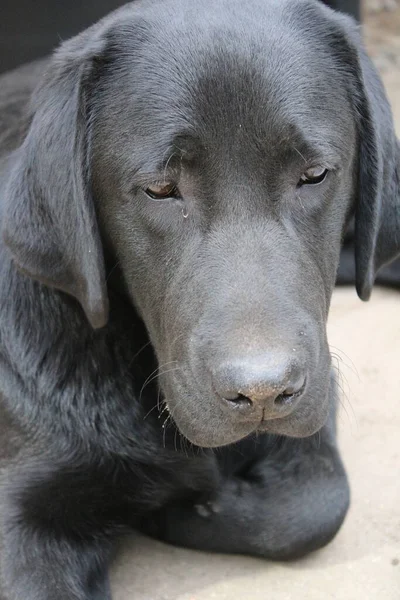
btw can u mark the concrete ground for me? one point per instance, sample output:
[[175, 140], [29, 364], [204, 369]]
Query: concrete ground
[[363, 562]]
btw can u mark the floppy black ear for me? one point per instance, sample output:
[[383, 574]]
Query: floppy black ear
[[377, 209], [377, 230], [50, 223]]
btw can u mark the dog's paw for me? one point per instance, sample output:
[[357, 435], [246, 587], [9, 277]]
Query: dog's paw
[[225, 496], [207, 509]]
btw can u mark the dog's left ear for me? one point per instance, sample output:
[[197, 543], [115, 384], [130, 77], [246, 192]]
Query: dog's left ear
[[377, 197], [49, 222]]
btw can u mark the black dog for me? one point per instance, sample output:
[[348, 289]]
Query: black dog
[[173, 209]]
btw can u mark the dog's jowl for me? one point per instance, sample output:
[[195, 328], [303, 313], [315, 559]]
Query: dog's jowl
[[175, 184]]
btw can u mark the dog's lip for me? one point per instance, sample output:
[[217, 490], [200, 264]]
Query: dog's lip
[[265, 424], [257, 424]]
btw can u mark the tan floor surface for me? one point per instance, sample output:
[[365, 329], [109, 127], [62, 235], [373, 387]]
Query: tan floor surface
[[363, 562]]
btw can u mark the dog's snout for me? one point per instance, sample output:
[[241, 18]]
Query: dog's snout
[[266, 385]]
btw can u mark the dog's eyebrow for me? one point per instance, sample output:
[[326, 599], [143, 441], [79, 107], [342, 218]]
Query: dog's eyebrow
[[319, 151], [317, 143], [168, 156]]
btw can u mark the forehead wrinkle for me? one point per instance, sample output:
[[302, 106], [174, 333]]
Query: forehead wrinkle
[[241, 102]]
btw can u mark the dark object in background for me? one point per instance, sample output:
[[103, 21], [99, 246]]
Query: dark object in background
[[352, 7], [27, 33]]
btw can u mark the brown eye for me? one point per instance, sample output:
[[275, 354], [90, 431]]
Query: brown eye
[[313, 175], [162, 192]]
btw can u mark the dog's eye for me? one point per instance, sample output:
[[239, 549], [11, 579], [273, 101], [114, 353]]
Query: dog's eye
[[313, 175], [162, 191]]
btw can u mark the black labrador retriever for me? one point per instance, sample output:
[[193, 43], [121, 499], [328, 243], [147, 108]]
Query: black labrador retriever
[[173, 208]]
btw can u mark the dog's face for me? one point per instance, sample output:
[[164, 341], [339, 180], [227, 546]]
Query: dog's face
[[223, 176], [224, 158]]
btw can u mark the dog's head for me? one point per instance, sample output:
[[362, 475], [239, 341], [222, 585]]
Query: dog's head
[[216, 150]]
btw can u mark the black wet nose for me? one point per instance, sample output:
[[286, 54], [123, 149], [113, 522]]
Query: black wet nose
[[271, 384]]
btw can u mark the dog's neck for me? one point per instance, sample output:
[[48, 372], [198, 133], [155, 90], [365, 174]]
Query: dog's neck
[[47, 344]]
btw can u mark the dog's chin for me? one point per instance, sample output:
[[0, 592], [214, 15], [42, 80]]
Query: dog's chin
[[214, 437], [293, 426], [209, 433]]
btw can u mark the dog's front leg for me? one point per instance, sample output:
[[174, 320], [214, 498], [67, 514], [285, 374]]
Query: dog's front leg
[[287, 504], [55, 543], [60, 517], [38, 565]]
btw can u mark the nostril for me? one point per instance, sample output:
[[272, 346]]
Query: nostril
[[283, 399], [238, 401], [291, 393], [230, 395], [262, 384]]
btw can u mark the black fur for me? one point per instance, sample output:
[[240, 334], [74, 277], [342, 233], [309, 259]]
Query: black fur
[[118, 314]]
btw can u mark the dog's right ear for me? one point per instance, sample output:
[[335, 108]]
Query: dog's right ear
[[50, 223]]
